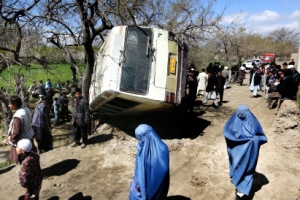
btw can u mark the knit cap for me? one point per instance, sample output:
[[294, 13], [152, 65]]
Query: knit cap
[[25, 145]]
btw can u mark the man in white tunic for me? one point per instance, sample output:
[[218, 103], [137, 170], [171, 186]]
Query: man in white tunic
[[202, 81], [225, 74], [256, 79]]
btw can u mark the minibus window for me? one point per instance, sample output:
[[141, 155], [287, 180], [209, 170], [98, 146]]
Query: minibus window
[[137, 64]]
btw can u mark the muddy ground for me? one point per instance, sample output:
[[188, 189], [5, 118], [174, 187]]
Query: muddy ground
[[198, 156]]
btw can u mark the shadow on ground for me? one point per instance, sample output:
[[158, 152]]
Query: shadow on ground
[[60, 168], [79, 196], [2, 171], [54, 198], [178, 197], [259, 180], [100, 138], [167, 124], [225, 102]]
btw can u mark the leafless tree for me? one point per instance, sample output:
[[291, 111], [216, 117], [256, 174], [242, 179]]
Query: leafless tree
[[7, 113], [83, 22], [14, 15], [285, 35], [233, 44]]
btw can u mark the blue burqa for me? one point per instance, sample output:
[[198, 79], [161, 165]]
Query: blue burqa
[[151, 176], [244, 135]]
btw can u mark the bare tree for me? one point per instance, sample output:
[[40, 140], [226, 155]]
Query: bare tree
[[83, 22], [14, 15], [285, 35], [6, 110], [234, 43]]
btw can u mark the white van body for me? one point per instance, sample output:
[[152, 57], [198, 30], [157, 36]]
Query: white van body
[[138, 69]]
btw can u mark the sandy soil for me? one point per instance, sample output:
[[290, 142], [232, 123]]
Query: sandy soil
[[198, 157]]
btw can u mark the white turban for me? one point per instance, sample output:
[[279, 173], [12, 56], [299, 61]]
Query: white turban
[[225, 67], [290, 66], [25, 145]]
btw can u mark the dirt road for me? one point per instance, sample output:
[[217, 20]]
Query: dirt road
[[198, 158]]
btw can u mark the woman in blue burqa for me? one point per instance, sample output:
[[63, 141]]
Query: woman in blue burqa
[[151, 176], [244, 135]]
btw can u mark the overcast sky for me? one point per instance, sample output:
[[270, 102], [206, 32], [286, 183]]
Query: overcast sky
[[263, 16]]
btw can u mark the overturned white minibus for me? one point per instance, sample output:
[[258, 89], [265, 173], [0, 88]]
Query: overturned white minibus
[[138, 69]]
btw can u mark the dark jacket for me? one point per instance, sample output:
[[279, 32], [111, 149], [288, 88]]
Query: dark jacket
[[272, 92], [257, 78], [288, 87], [64, 102], [49, 97], [251, 74], [211, 82], [220, 83], [192, 85], [41, 116], [296, 76], [234, 69], [41, 89], [81, 113]]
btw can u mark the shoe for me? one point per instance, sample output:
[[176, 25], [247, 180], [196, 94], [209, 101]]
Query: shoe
[[83, 145], [74, 145], [215, 105]]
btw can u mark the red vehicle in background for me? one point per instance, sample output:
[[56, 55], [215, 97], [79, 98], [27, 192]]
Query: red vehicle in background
[[268, 58]]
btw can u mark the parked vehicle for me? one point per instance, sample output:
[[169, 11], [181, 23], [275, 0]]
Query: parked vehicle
[[257, 61], [138, 69], [268, 58], [248, 64]]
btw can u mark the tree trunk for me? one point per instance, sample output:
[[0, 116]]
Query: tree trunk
[[89, 66], [6, 110], [72, 61]]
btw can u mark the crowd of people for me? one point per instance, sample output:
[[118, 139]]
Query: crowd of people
[[26, 126], [151, 180], [278, 82], [47, 104], [243, 132], [209, 84]]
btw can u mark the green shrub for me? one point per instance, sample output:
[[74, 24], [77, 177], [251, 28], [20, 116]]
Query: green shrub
[[56, 72], [5, 164]]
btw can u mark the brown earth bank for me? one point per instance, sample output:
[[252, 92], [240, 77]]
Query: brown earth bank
[[198, 157]]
